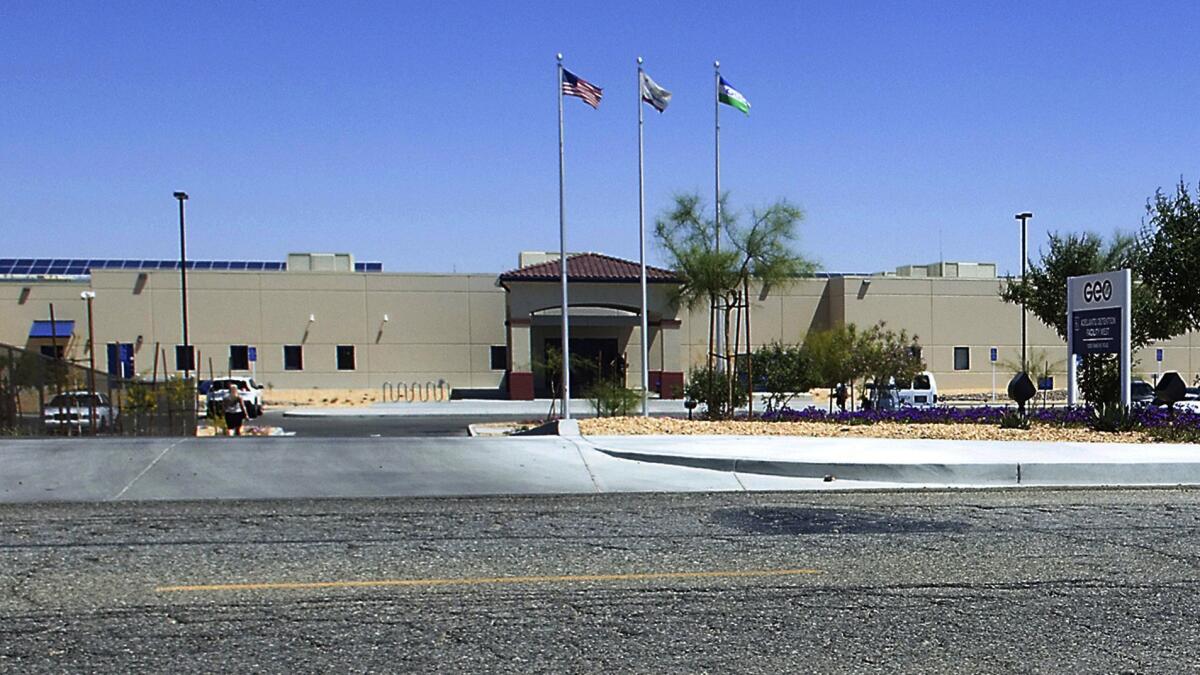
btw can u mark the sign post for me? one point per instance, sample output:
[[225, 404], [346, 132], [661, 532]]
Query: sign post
[[1158, 356], [252, 356], [992, 356], [1098, 322]]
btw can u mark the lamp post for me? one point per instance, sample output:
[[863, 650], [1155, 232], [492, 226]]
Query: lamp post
[[88, 297], [1024, 217], [187, 347]]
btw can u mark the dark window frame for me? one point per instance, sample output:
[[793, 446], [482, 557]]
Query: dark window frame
[[239, 360], [498, 354], [338, 355], [967, 352], [185, 357], [299, 353]]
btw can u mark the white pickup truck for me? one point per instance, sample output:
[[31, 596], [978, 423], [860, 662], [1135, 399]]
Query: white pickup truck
[[250, 391]]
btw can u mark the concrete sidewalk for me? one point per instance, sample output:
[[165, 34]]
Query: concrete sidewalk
[[106, 469], [535, 409], [920, 461]]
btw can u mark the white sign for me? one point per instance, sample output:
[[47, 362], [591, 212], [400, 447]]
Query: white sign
[[1098, 322], [1098, 291]]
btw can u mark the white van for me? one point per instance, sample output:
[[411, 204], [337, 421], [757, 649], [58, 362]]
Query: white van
[[922, 393]]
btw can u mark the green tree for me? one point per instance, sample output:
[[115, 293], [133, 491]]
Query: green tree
[[888, 355], [831, 356], [1169, 255], [1044, 292], [689, 239], [782, 371], [721, 276], [768, 259]]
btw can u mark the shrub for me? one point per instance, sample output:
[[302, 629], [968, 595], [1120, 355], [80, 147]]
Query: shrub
[[1114, 418], [782, 371], [1014, 420], [712, 389], [612, 399], [140, 398]]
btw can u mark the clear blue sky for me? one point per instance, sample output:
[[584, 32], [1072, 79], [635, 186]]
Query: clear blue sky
[[424, 134]]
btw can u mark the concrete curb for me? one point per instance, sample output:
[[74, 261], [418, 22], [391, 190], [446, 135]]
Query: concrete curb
[[1000, 473]]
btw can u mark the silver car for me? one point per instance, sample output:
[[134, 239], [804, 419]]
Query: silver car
[[72, 411]]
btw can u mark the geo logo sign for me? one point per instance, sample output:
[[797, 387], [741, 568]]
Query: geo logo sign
[[1097, 291]]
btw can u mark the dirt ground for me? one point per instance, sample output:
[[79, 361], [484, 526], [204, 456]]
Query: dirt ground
[[320, 397], [332, 397], [620, 426]]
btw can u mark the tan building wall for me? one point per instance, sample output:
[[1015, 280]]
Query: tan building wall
[[439, 327], [442, 327], [23, 302]]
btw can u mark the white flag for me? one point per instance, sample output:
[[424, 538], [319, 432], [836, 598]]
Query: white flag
[[653, 94]]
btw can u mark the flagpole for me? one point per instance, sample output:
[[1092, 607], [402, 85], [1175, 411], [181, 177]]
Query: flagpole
[[642, 250], [562, 247], [720, 322]]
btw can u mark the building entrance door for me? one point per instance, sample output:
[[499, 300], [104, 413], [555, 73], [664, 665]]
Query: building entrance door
[[591, 360]]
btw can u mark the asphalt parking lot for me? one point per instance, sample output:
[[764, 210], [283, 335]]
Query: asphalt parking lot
[[931, 582]]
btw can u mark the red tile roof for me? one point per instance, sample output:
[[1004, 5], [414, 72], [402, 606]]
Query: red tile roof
[[592, 267]]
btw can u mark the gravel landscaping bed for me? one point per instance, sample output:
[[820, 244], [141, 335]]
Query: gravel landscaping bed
[[620, 426]]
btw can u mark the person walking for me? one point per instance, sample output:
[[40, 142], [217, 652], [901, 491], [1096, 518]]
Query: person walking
[[840, 396], [235, 411]]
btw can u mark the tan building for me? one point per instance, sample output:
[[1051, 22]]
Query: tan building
[[326, 321]]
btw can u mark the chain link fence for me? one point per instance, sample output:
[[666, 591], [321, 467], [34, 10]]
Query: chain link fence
[[42, 396]]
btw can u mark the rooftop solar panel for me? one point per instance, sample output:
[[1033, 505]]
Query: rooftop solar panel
[[42, 261], [254, 265], [237, 265], [57, 269], [8, 261], [220, 265], [5, 268], [24, 261], [203, 265]]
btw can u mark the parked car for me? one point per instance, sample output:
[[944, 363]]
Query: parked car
[[72, 410], [1141, 394], [249, 390], [1191, 400]]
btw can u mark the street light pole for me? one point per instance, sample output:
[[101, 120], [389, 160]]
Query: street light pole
[[1024, 217], [88, 297], [187, 347]]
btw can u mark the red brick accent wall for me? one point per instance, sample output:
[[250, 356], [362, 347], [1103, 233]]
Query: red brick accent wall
[[671, 385], [520, 386]]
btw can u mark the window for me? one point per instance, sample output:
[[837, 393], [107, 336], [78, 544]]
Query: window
[[345, 357], [499, 357], [962, 358], [52, 351], [239, 357], [293, 357], [185, 357]]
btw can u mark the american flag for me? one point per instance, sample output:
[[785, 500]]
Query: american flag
[[573, 85]]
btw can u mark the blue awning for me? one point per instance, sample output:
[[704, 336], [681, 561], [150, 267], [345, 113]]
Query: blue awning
[[44, 329]]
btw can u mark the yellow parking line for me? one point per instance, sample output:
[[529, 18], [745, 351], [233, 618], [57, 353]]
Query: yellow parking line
[[479, 581]]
